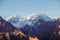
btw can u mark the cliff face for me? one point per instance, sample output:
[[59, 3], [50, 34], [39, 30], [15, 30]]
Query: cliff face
[[6, 26]]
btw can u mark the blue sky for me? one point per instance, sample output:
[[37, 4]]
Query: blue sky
[[27, 7]]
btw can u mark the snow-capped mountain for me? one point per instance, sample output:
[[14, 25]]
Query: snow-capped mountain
[[20, 21], [36, 25]]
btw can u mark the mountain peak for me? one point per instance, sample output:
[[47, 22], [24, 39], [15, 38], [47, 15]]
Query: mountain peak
[[13, 17], [20, 21]]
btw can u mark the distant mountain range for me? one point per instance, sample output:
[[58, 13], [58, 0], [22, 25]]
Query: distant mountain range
[[20, 21], [33, 25]]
